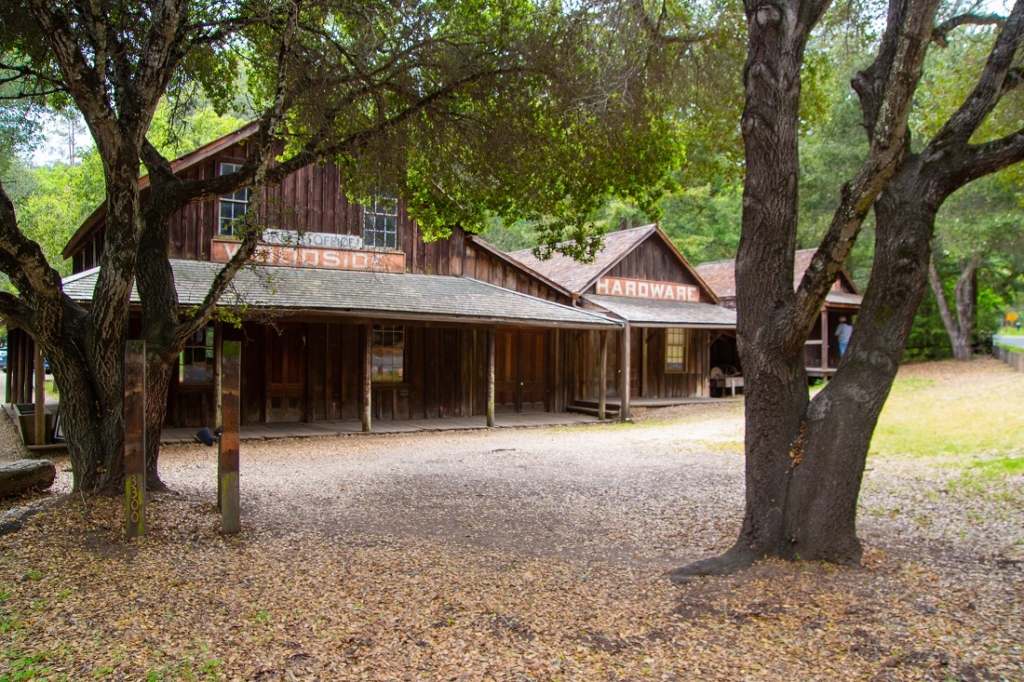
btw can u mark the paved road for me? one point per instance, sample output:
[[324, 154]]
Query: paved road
[[1017, 341]]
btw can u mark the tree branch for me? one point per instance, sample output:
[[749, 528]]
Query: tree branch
[[940, 33], [13, 309], [990, 86], [654, 29], [895, 74]]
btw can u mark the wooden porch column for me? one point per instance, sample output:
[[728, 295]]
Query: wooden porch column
[[602, 389], [643, 362], [11, 338], [824, 343], [367, 375], [25, 350], [227, 452], [40, 398], [218, 380], [135, 439], [490, 377], [624, 389], [556, 361]]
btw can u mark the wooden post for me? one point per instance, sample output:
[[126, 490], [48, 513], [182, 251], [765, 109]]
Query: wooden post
[[824, 343], [624, 390], [218, 359], [25, 368], [643, 363], [135, 439], [490, 377], [11, 349], [40, 398], [557, 390], [602, 389], [227, 459], [367, 375]]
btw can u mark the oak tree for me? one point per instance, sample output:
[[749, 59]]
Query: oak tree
[[805, 457], [461, 107]]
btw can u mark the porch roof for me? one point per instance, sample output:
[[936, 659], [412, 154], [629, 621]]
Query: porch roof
[[657, 313], [363, 294], [843, 298]]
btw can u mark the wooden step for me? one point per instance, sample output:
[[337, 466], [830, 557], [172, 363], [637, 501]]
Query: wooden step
[[584, 407]]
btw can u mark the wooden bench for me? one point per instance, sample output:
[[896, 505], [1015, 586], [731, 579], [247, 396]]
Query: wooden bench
[[724, 382]]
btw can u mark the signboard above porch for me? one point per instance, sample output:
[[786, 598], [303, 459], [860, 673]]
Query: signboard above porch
[[221, 251], [638, 288]]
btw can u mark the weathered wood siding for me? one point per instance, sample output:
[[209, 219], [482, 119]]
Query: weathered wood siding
[[648, 378], [653, 261], [311, 372]]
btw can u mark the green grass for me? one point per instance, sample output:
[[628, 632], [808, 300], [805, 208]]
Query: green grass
[[961, 424], [21, 668]]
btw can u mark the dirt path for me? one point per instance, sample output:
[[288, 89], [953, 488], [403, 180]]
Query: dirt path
[[532, 554]]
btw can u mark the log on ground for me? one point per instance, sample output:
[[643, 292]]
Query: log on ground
[[24, 475]]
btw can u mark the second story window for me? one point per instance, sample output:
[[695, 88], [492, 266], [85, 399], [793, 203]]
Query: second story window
[[380, 223], [232, 206]]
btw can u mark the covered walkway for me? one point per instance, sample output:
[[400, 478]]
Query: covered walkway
[[354, 426]]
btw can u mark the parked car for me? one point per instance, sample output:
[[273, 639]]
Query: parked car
[[3, 358]]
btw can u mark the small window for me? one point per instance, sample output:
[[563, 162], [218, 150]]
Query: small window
[[388, 357], [232, 206], [380, 223], [675, 350], [196, 366]]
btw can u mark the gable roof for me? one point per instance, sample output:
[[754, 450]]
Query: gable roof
[[721, 276], [518, 265], [180, 164], [400, 296], [578, 277]]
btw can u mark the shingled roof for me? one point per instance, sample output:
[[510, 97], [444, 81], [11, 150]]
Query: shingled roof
[[721, 277], [365, 294], [656, 313], [577, 277]]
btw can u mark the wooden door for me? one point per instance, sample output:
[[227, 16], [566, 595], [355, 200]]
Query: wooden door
[[520, 370], [286, 373], [506, 370], [533, 365]]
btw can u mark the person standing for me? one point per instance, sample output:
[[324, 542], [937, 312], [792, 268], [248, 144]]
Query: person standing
[[843, 332]]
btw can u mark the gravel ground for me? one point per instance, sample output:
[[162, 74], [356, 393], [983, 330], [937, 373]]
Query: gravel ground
[[531, 554]]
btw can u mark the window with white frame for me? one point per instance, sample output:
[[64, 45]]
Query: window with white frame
[[675, 350], [380, 223], [232, 206], [388, 356]]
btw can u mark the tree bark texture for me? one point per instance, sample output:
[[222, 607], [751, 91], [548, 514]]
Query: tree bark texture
[[965, 295]]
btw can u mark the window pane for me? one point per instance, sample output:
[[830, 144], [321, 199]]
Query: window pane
[[675, 350], [380, 223], [388, 354]]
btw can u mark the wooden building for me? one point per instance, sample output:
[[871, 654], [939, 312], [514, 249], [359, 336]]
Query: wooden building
[[352, 314], [821, 352], [668, 314]]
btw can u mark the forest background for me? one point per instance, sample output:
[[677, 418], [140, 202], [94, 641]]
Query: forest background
[[55, 179]]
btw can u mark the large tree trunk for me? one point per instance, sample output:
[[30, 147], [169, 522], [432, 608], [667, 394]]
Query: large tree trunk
[[827, 465], [86, 349], [804, 459]]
